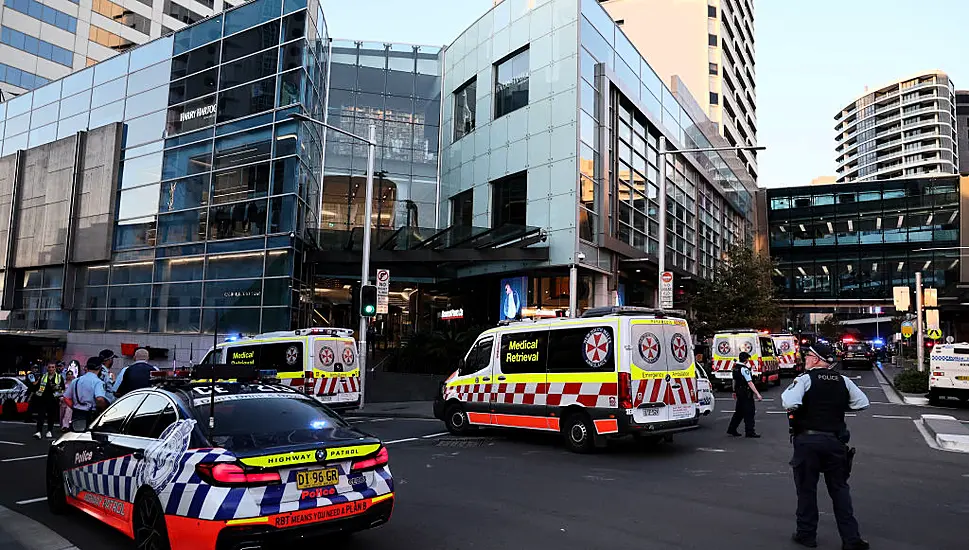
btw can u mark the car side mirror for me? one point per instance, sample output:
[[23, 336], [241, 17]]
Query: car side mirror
[[79, 425], [460, 365], [99, 437]]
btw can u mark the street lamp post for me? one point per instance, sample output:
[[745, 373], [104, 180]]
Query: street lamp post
[[368, 214], [663, 151]]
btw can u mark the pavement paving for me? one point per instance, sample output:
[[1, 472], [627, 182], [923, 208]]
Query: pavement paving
[[704, 490]]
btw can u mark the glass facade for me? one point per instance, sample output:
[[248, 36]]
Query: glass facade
[[845, 242], [219, 189]]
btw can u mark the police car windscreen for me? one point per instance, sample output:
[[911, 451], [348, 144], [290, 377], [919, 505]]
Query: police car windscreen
[[247, 421]]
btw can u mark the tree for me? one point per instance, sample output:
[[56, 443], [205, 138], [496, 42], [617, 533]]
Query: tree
[[830, 328], [740, 294]]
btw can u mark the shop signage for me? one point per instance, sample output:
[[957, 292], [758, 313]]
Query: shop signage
[[206, 111], [452, 314]]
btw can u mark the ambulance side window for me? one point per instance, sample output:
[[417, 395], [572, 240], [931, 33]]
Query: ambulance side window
[[586, 349], [524, 352], [479, 357], [281, 356], [766, 346]]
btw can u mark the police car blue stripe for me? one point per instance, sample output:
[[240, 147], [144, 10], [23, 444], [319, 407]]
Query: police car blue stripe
[[227, 509], [174, 499], [197, 501], [270, 502]]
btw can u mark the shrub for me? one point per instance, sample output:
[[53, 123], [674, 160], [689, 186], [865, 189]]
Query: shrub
[[912, 381]]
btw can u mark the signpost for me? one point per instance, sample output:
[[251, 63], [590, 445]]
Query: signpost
[[934, 333], [666, 290], [383, 290], [908, 329]]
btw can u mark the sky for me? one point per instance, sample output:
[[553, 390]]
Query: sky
[[812, 59]]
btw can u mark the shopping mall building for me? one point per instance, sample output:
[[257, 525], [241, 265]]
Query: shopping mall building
[[167, 191]]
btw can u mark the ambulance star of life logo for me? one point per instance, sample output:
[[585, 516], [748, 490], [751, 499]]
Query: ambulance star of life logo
[[348, 356], [723, 347], [326, 356], [679, 347], [785, 346], [649, 347], [292, 355], [596, 347]]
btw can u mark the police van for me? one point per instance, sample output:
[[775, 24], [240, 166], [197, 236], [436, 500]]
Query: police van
[[785, 348], [727, 346], [614, 371], [320, 361], [949, 376]]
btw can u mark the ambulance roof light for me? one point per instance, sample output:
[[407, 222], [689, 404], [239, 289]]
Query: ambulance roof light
[[325, 331], [630, 310]]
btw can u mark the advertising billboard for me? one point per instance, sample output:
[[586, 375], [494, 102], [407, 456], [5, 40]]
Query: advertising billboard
[[514, 292]]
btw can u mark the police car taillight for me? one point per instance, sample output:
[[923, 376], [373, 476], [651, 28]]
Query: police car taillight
[[625, 391], [227, 473], [376, 461]]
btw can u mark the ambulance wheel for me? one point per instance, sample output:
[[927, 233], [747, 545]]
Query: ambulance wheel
[[56, 496], [9, 409], [151, 532], [456, 420], [934, 398], [578, 432]]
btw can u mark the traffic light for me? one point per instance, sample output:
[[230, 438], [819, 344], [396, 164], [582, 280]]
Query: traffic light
[[368, 300]]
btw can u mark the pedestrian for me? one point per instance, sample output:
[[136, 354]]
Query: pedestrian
[[107, 358], [817, 401], [744, 393], [86, 394], [47, 398], [69, 379], [136, 375]]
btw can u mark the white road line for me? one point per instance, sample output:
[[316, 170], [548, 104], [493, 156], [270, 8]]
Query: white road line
[[880, 402], [870, 387], [851, 414], [891, 416], [17, 422], [32, 500], [710, 450], [23, 458], [380, 419], [429, 436], [405, 440], [11, 443], [776, 412]]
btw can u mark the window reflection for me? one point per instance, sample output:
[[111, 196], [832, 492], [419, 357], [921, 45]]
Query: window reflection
[[245, 219], [247, 99], [243, 183]]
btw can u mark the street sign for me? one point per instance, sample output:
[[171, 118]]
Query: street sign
[[900, 294], [908, 329], [932, 319], [930, 297], [934, 333], [666, 290], [383, 290], [950, 339]]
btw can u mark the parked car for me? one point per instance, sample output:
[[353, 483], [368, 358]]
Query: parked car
[[858, 355]]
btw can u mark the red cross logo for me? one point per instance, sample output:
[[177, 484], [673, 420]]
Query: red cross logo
[[596, 347], [723, 347], [649, 347], [348, 356], [326, 356], [747, 346], [786, 346], [679, 345]]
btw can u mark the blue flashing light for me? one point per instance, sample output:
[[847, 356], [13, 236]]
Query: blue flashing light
[[232, 337], [318, 424], [878, 341]]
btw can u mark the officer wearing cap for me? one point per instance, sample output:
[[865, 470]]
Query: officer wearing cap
[[86, 395], [107, 358], [818, 400]]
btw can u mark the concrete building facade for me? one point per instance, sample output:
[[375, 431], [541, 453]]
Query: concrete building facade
[[709, 45], [904, 129], [962, 128]]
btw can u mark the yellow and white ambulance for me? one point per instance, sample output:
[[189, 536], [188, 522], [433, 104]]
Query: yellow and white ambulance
[[611, 372], [786, 350], [320, 361], [949, 372], [727, 346]]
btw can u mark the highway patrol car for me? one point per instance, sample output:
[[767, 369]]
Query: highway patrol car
[[273, 466], [614, 371], [949, 372], [14, 396], [727, 346], [319, 361]]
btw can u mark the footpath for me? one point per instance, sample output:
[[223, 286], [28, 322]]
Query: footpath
[[18, 532]]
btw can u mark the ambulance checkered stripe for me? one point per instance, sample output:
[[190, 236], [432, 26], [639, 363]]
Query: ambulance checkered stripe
[[556, 394], [757, 365], [655, 391], [327, 386], [787, 359]]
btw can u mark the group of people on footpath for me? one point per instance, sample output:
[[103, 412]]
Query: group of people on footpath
[[61, 394], [816, 402]]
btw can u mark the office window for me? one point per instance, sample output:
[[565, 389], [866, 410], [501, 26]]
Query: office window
[[462, 208], [714, 98], [714, 68], [509, 197], [40, 48], [712, 39], [511, 84], [19, 78], [182, 14], [109, 39], [711, 11], [44, 13], [464, 106], [124, 16]]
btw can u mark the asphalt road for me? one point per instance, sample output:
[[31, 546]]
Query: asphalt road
[[705, 490]]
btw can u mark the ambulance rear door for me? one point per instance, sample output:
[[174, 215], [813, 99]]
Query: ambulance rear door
[[680, 370], [337, 369], [648, 370]]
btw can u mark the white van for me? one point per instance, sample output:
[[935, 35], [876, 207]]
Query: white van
[[614, 371], [949, 372], [727, 346], [321, 361], [786, 349]]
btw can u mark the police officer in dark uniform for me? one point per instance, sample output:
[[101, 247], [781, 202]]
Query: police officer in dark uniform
[[817, 401], [744, 392]]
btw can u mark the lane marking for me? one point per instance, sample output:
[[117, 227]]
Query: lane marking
[[709, 450], [31, 500], [11, 443], [891, 416], [17, 422], [23, 458], [870, 387], [429, 436], [406, 439], [776, 412]]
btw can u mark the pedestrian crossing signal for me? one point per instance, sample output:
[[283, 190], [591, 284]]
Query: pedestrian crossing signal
[[368, 300]]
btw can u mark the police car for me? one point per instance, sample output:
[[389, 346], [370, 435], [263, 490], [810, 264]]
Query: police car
[[949, 372], [14, 396], [612, 372], [706, 401], [261, 465]]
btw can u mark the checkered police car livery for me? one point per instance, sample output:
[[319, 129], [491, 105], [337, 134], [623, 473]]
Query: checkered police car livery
[[174, 483]]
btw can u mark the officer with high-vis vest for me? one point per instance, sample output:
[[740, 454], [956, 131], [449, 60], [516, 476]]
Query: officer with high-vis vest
[[816, 402], [47, 398]]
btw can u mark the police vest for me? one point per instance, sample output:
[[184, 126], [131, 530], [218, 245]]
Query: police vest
[[824, 404], [739, 382]]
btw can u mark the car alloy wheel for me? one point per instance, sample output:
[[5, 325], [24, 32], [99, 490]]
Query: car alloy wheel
[[150, 530], [456, 420], [56, 495]]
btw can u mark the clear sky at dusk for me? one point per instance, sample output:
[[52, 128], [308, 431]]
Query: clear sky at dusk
[[813, 58]]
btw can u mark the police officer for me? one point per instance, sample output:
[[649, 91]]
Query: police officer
[[86, 395], [136, 375], [744, 392], [818, 400], [107, 361]]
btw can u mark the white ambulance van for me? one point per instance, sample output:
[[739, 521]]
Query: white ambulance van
[[321, 361], [949, 372], [611, 372], [727, 346], [788, 358]]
